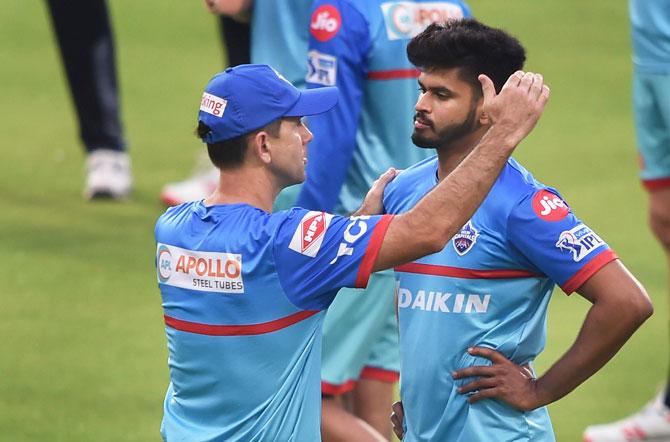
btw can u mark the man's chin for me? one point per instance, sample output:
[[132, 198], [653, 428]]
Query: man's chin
[[422, 142]]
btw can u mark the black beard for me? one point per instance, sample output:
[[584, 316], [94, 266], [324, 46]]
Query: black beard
[[449, 134]]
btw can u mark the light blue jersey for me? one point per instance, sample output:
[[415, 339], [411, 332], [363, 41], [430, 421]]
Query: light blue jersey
[[650, 22], [279, 30], [489, 287], [279, 33], [360, 47], [243, 293]]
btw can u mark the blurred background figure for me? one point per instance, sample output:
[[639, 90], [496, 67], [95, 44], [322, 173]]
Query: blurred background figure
[[360, 47], [650, 23], [84, 35], [278, 38]]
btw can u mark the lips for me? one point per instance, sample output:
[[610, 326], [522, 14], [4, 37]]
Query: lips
[[420, 123]]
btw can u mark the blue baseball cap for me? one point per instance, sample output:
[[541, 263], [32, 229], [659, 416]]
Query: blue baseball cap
[[247, 97]]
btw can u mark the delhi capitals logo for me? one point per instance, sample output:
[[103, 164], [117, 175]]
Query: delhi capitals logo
[[465, 239]]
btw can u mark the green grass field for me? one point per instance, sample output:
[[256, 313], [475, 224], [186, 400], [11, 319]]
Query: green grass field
[[83, 349]]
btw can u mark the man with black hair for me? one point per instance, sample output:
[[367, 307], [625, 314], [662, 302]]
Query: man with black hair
[[359, 46], [472, 316], [244, 290]]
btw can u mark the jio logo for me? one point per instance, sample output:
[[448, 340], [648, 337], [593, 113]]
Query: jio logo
[[325, 22], [164, 263], [549, 206]]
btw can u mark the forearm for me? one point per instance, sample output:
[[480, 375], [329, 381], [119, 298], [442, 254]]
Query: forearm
[[606, 329], [444, 210], [457, 197]]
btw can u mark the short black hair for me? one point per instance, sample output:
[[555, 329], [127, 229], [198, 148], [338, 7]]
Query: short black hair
[[472, 47], [230, 153]]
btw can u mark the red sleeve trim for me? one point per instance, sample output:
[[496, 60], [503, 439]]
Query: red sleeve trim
[[380, 374], [588, 270], [238, 330], [365, 269], [337, 389], [656, 184]]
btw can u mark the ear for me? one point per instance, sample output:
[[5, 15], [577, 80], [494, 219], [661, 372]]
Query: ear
[[262, 147], [483, 118]]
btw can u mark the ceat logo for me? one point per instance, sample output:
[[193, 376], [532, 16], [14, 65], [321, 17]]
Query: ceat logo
[[325, 22], [309, 234], [549, 207]]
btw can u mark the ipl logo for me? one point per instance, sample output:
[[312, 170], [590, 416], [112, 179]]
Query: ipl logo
[[465, 239], [580, 241], [164, 263]]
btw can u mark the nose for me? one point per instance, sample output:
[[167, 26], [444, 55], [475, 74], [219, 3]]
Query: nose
[[306, 135], [422, 104]]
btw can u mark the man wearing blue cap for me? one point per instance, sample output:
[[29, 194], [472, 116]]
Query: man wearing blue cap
[[245, 290]]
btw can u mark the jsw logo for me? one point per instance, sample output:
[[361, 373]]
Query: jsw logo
[[356, 228], [443, 302]]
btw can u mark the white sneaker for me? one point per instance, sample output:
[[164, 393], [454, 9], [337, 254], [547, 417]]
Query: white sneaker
[[108, 175], [652, 423], [197, 187]]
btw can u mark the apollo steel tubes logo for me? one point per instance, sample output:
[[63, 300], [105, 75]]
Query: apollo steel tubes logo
[[164, 263], [405, 20], [199, 270]]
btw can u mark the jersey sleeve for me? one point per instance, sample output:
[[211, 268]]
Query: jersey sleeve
[[338, 43], [544, 230], [317, 253]]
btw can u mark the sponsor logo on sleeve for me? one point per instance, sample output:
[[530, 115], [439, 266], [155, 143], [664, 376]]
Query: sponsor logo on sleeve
[[325, 22], [213, 105], [405, 20], [321, 68], [355, 229], [549, 206], [580, 241], [309, 234], [465, 239], [203, 271]]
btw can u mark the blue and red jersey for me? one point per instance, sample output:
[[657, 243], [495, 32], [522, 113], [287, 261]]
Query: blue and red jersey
[[360, 47], [243, 296], [489, 287]]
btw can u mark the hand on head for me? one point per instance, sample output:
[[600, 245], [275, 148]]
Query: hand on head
[[518, 106]]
